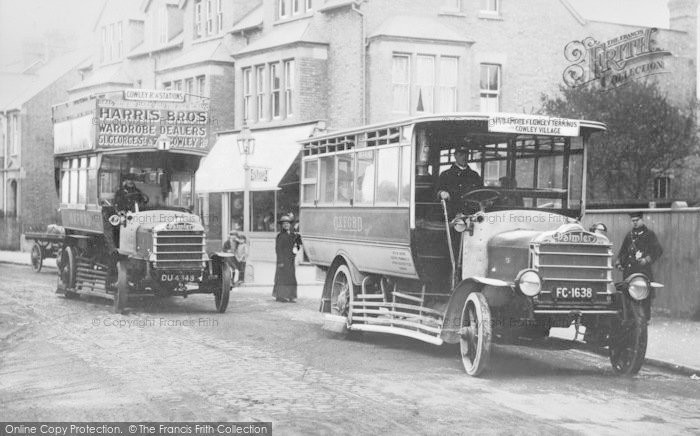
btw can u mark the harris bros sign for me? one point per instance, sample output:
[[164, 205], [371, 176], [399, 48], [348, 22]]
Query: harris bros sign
[[615, 62]]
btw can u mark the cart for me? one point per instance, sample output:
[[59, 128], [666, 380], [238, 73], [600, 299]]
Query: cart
[[46, 244]]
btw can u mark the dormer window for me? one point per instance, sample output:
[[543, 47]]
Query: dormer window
[[163, 25], [112, 42], [292, 8], [208, 18]]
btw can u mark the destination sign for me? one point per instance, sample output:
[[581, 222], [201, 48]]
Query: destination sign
[[533, 125]]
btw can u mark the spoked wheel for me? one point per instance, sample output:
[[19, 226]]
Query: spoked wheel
[[221, 295], [341, 290], [37, 257], [67, 271], [628, 341], [475, 334], [122, 295]]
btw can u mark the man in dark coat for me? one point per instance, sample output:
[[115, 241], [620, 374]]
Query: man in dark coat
[[639, 250], [458, 180], [285, 288], [128, 196]]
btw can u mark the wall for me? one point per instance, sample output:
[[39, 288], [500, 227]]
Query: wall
[[678, 268]]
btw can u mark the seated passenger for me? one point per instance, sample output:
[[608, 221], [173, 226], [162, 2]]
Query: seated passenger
[[507, 198]]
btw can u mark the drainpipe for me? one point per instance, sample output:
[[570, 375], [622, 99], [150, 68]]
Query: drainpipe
[[363, 55]]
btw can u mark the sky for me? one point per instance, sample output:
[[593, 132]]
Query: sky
[[22, 19]]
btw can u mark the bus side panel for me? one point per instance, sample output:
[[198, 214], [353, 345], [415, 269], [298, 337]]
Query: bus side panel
[[376, 240]]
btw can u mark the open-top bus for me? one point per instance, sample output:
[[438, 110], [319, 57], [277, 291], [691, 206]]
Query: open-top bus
[[510, 261], [156, 247]]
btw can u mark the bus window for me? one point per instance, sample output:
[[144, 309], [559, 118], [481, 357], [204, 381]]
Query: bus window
[[92, 181], [65, 181], [388, 175], [365, 177], [345, 178], [405, 174], [82, 181], [327, 179], [309, 181], [74, 166]]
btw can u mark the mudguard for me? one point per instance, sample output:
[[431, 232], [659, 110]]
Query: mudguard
[[453, 313]]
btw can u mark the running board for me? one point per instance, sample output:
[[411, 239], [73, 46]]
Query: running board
[[397, 331]]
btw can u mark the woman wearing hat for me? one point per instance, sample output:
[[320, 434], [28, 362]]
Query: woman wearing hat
[[285, 288]]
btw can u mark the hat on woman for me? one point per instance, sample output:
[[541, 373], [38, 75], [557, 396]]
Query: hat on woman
[[285, 219]]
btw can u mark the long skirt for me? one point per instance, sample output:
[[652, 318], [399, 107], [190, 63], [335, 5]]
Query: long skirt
[[285, 281]]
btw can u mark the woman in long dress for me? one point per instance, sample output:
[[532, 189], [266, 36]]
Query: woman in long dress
[[285, 289]]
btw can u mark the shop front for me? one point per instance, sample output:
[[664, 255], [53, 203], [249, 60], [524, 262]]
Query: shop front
[[272, 166]]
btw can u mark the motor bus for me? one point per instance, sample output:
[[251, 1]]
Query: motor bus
[[156, 246], [504, 263]]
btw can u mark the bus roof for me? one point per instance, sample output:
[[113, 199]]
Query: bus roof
[[456, 116]]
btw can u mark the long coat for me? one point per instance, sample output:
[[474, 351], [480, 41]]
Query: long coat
[[285, 275], [639, 243]]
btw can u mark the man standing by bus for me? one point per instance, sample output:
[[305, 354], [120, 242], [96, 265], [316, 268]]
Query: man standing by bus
[[639, 250], [458, 180]]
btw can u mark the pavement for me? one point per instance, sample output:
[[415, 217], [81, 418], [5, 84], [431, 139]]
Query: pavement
[[673, 344]]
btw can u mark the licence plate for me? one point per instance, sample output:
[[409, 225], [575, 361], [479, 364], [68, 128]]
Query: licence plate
[[573, 293], [168, 277]]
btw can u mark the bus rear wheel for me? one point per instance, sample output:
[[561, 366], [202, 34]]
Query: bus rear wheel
[[475, 334], [221, 295]]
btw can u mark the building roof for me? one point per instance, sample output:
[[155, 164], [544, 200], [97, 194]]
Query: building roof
[[105, 75], [17, 89], [285, 34], [647, 13], [417, 27], [147, 46], [213, 51], [252, 20]]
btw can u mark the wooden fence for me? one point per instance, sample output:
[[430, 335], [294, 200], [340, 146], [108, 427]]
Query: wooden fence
[[678, 269]]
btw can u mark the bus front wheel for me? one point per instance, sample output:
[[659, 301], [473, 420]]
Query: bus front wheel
[[475, 334]]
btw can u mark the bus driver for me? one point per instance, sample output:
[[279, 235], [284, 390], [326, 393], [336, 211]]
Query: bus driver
[[458, 180]]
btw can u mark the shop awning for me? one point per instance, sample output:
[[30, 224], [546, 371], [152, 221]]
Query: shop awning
[[275, 150]]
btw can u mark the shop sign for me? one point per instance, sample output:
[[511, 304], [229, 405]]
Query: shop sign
[[614, 62], [533, 125], [151, 124], [259, 174]]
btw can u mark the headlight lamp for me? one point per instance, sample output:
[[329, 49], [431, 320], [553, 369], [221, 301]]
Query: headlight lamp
[[529, 283], [638, 288], [460, 223]]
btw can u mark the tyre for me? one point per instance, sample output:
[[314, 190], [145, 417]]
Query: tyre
[[475, 334], [342, 291], [37, 257], [628, 341], [67, 271], [122, 294], [221, 295]]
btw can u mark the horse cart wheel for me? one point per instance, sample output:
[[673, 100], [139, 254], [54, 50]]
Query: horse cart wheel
[[221, 295], [67, 271], [122, 294], [37, 257], [475, 334], [628, 341]]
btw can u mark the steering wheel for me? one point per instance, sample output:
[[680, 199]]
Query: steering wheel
[[481, 196], [134, 196]]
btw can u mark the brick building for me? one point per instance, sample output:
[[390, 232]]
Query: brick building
[[286, 68], [349, 63], [28, 197]]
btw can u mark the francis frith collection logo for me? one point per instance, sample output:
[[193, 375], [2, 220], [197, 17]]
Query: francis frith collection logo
[[614, 62]]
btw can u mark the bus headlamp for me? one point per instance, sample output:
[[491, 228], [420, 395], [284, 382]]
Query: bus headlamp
[[529, 283], [460, 223], [638, 288]]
